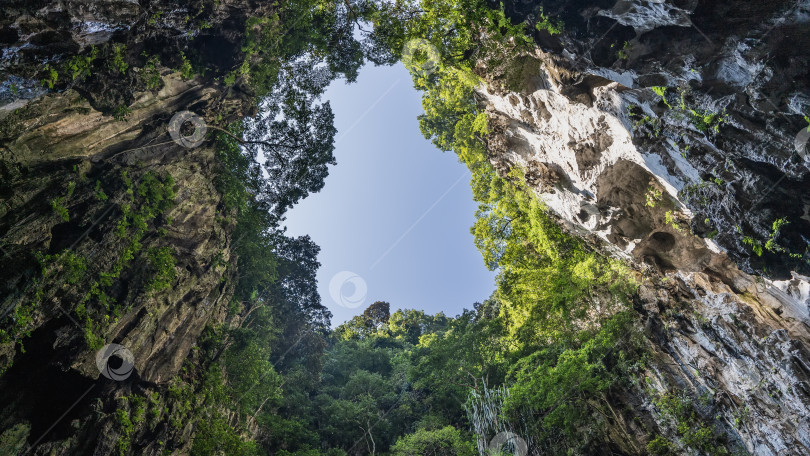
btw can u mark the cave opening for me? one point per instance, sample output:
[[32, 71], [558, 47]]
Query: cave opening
[[395, 212]]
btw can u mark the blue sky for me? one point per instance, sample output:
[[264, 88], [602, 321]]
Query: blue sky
[[393, 219]]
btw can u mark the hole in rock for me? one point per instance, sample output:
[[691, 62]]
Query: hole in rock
[[661, 241], [659, 263], [393, 219]]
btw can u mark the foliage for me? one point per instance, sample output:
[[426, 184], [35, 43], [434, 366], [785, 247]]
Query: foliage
[[559, 381], [155, 17], [560, 322], [125, 427], [754, 244], [706, 121], [297, 135], [147, 200], [662, 92], [549, 24], [161, 261], [447, 441], [771, 244], [215, 436], [652, 196], [671, 218], [653, 124], [373, 319], [660, 446], [276, 303], [555, 335], [118, 61], [150, 72], [693, 431], [546, 277], [624, 52], [80, 66], [186, 70], [121, 113], [238, 180], [57, 204], [68, 267], [51, 76], [100, 192], [13, 439]]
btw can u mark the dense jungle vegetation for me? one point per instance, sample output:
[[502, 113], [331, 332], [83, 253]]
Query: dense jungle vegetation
[[536, 358], [541, 352]]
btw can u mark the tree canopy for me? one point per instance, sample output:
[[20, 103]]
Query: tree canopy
[[553, 337]]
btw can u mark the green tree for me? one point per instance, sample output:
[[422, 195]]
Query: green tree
[[408, 325], [447, 441]]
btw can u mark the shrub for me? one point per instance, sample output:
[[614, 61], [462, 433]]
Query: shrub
[[80, 66], [162, 264], [551, 25], [118, 62]]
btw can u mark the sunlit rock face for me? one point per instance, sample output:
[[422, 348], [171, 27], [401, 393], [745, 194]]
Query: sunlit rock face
[[671, 130], [721, 147]]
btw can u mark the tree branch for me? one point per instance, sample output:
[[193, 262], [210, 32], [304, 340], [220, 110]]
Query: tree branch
[[264, 143]]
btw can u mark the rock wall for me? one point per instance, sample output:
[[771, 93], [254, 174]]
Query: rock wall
[[77, 144], [671, 132], [685, 180], [725, 146], [74, 168]]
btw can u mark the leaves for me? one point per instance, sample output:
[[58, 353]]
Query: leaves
[[447, 441]]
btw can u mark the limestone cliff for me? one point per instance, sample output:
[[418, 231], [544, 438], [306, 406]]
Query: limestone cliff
[[671, 133], [666, 132], [88, 167]]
